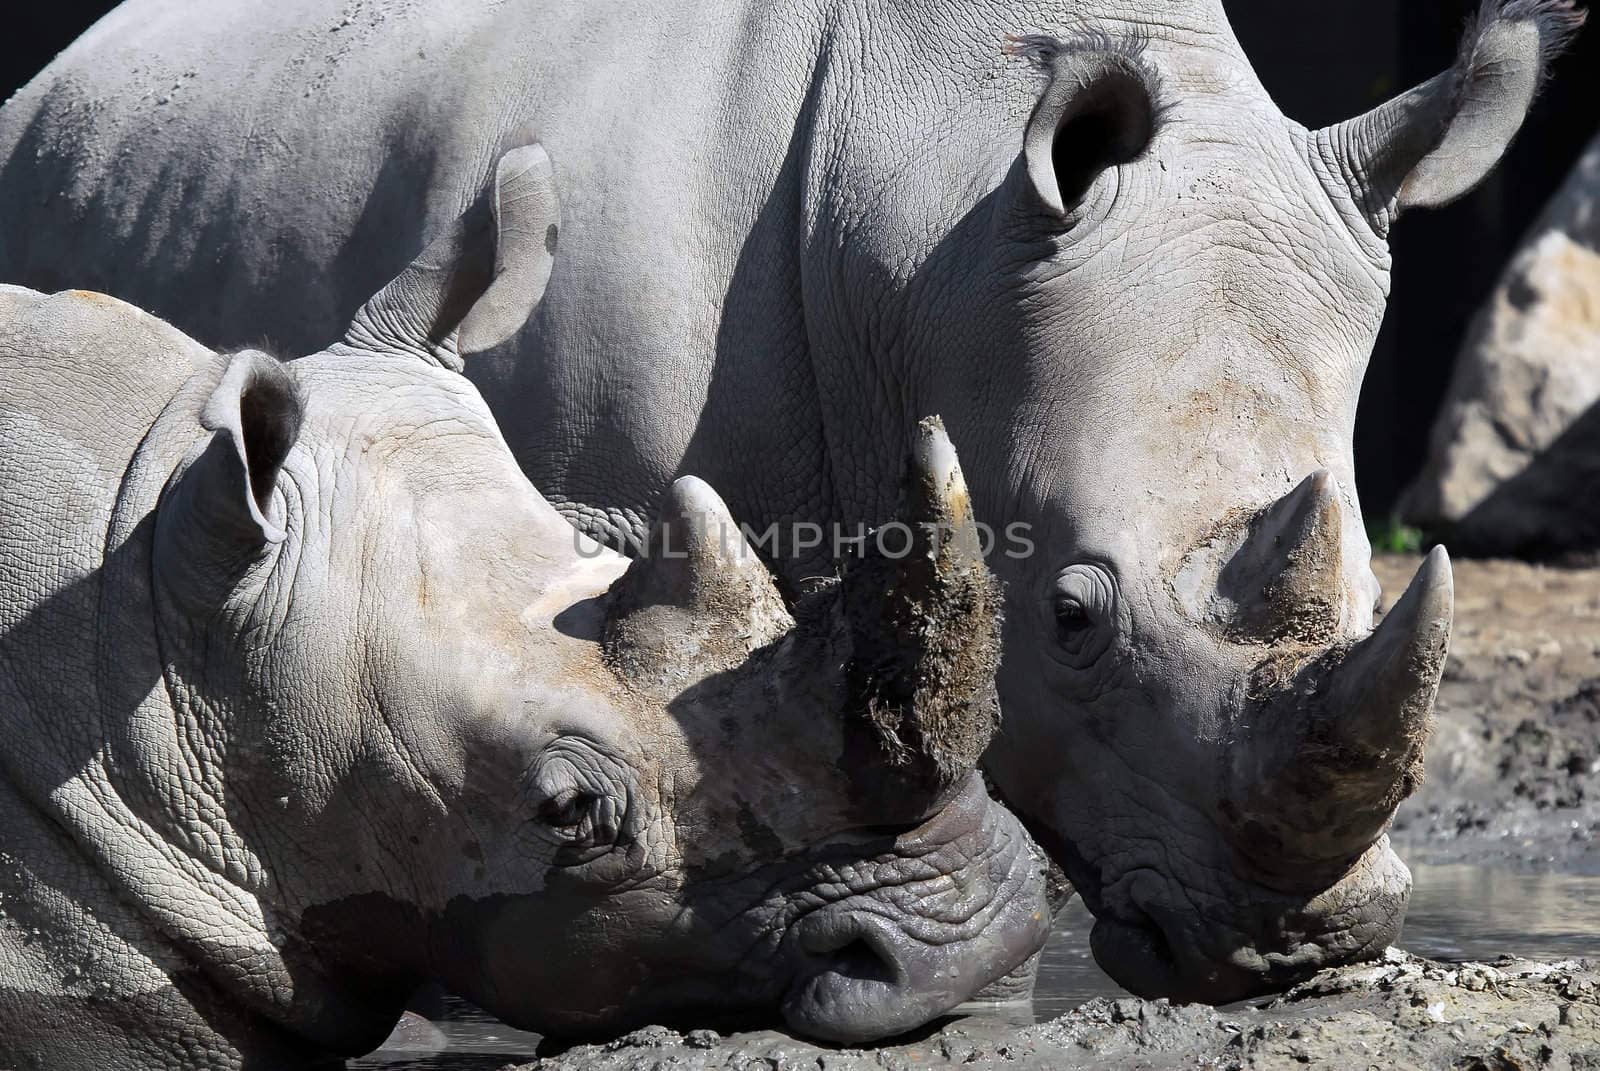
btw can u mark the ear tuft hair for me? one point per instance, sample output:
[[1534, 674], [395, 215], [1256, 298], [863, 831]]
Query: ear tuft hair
[[1558, 22], [1126, 51], [1042, 49]]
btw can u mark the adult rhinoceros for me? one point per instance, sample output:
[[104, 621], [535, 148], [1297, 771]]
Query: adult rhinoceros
[[1142, 298], [306, 695]]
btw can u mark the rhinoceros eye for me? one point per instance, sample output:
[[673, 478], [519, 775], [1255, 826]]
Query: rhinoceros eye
[[582, 819], [570, 811], [1083, 606], [580, 799], [1071, 617]]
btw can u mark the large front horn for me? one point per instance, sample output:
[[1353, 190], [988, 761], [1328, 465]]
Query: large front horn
[[923, 617], [904, 648], [1327, 755]]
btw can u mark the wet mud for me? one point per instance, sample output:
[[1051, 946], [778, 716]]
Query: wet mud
[[1403, 1012]]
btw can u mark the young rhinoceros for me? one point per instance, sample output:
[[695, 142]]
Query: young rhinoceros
[[308, 696]]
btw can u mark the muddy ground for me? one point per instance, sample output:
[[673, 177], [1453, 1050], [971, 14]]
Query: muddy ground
[[1513, 781], [1399, 1014]]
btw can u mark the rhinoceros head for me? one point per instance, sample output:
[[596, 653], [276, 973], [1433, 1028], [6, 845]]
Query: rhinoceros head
[[1144, 300], [464, 742], [812, 778]]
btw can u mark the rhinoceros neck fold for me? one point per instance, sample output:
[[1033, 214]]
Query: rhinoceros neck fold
[[64, 914]]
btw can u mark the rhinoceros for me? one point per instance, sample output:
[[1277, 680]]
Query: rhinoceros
[[1141, 297], [309, 696]]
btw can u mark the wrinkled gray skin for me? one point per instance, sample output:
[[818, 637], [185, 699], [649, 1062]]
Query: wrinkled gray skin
[[307, 697], [1141, 297]]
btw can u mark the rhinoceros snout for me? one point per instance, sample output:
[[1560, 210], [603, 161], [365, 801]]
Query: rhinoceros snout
[[890, 959], [1260, 942]]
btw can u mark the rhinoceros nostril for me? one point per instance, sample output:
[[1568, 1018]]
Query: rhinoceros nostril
[[861, 960], [1160, 945], [851, 947]]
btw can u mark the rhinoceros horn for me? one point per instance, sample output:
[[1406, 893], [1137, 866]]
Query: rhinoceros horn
[[1330, 752], [699, 600], [923, 614], [1288, 578], [905, 646]]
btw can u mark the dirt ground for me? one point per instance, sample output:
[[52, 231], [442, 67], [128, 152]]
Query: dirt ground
[[1513, 781], [1401, 1013], [1514, 763]]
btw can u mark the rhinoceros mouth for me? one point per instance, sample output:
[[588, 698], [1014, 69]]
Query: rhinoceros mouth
[[866, 977], [1251, 940], [1263, 942], [888, 958], [856, 970]]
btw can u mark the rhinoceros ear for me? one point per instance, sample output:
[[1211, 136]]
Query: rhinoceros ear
[[1431, 145], [229, 492], [476, 286], [1098, 111]]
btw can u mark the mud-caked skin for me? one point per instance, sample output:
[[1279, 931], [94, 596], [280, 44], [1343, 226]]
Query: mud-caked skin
[[307, 697], [1142, 298]]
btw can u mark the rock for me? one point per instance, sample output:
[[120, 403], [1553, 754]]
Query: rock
[[415, 1036], [1514, 466], [701, 1039], [650, 1037]]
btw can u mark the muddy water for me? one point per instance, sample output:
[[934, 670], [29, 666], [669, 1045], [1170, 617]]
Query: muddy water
[[1457, 912], [1467, 912]]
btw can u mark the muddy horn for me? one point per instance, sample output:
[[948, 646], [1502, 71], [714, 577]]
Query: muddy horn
[[923, 616], [1289, 575], [907, 642], [1331, 752], [699, 599]]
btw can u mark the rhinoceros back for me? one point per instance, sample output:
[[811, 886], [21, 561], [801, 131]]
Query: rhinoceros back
[[253, 172], [85, 376], [149, 161]]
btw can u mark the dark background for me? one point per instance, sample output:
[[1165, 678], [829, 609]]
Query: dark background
[[1323, 62], [1332, 59]]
